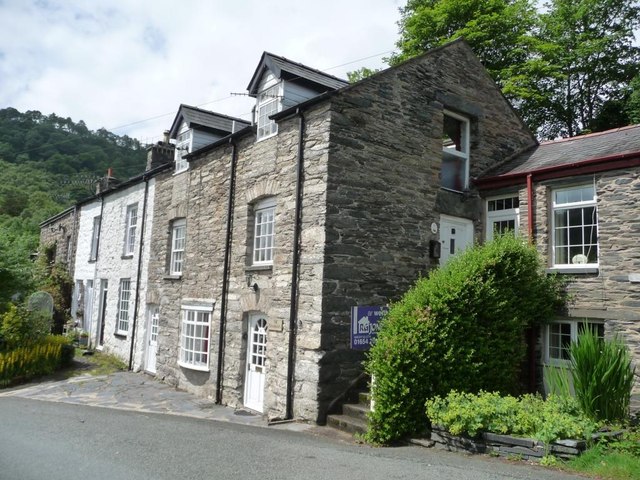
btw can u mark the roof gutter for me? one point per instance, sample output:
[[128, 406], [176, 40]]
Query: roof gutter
[[594, 165]]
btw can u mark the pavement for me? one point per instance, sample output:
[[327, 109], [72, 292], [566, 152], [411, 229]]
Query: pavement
[[142, 393]]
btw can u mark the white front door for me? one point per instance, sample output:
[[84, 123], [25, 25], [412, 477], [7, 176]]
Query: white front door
[[256, 363], [153, 317], [456, 234]]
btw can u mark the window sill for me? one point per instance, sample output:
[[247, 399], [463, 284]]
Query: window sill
[[92, 260], [452, 190], [122, 335], [259, 268], [178, 172], [127, 257], [573, 270], [172, 277], [199, 368], [265, 137]]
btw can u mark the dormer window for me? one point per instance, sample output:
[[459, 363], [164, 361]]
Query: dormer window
[[268, 104], [455, 152], [183, 147]]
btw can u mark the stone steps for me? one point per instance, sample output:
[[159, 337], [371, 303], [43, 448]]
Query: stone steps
[[353, 418]]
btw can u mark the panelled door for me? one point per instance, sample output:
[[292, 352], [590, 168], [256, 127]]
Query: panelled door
[[256, 362], [153, 317], [456, 234]]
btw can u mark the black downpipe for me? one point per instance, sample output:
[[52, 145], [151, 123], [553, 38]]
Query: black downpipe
[[295, 267], [225, 272], [139, 273]]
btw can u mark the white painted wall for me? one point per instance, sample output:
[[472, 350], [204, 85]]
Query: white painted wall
[[84, 269], [112, 266]]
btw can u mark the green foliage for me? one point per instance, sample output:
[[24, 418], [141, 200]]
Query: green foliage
[[567, 67], [56, 280], [602, 376], [361, 74], [461, 328], [604, 462], [20, 327], [41, 358], [529, 416]]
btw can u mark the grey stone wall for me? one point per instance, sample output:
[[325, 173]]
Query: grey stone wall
[[384, 185], [610, 294], [62, 231]]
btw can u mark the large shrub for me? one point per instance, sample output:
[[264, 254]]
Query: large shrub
[[461, 328]]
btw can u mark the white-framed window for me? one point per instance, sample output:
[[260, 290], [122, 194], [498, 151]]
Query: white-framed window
[[183, 147], [455, 152], [194, 337], [268, 103], [95, 237], [575, 227], [131, 223], [178, 240], [122, 326], [560, 334], [264, 231], [503, 215]]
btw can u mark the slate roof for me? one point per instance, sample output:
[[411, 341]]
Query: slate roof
[[281, 66], [573, 150], [206, 120]]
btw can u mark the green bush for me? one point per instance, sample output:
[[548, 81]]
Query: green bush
[[19, 326], [601, 374], [527, 416], [41, 358], [461, 328]]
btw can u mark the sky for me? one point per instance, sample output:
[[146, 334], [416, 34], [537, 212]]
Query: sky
[[127, 65]]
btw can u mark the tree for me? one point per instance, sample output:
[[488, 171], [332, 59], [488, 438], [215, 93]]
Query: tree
[[586, 50], [361, 74], [566, 69], [499, 31]]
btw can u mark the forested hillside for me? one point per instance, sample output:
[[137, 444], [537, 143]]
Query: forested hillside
[[47, 163]]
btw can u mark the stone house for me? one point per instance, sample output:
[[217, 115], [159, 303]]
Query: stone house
[[578, 199], [60, 233], [340, 195]]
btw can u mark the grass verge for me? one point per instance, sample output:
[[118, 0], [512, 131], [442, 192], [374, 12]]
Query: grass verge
[[607, 464]]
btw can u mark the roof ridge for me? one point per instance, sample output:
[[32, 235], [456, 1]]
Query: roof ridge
[[588, 135]]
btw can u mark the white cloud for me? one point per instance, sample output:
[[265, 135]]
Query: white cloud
[[116, 64]]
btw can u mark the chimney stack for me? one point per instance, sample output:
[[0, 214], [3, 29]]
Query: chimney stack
[[160, 153], [106, 182]]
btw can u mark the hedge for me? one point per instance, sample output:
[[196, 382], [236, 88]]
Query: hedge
[[462, 328]]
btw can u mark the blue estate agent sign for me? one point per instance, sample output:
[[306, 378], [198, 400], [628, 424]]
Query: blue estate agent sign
[[364, 325]]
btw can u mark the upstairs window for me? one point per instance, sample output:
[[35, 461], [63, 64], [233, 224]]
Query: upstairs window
[[264, 231], [268, 104], [502, 215], [575, 227], [131, 223], [178, 240], [455, 152], [95, 236], [183, 147]]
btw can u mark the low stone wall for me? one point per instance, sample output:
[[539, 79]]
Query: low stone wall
[[508, 446]]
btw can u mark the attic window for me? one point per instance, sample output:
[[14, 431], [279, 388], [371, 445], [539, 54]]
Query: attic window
[[268, 104], [455, 152], [183, 147]]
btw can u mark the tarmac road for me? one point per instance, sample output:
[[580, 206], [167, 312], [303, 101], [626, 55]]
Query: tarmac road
[[44, 440]]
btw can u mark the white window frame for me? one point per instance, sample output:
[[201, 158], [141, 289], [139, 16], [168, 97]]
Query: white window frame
[[195, 337], [501, 213], [462, 154], [574, 261], [131, 224], [268, 103], [184, 143], [574, 330], [124, 300], [95, 239], [264, 234], [178, 243]]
